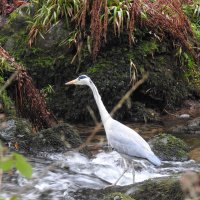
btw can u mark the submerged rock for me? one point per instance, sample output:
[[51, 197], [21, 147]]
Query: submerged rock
[[191, 127], [170, 148]]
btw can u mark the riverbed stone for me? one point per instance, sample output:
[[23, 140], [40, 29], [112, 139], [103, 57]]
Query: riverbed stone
[[168, 147], [164, 188], [191, 127]]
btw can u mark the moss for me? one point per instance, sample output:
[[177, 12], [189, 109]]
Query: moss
[[164, 189], [117, 196], [148, 47], [59, 138], [168, 147], [23, 127]]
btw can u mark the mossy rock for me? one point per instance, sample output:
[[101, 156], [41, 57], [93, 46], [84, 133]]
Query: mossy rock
[[60, 138], [170, 148], [164, 188], [15, 128], [19, 135]]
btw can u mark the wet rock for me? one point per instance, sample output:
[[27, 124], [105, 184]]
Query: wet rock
[[191, 127], [170, 148], [160, 188], [57, 139], [18, 134], [142, 113], [15, 130]]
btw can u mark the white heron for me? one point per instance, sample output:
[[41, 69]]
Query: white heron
[[123, 139]]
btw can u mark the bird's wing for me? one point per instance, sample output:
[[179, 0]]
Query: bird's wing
[[127, 141]]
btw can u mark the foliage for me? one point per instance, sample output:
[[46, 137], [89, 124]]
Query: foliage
[[162, 17], [7, 103], [46, 91], [192, 72], [7, 7], [9, 161], [30, 103], [149, 47], [192, 10]]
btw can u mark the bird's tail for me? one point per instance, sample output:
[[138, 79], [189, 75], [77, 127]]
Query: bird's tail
[[154, 159]]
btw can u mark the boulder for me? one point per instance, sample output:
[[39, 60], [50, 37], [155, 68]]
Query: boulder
[[18, 134], [164, 188], [57, 139], [169, 148], [14, 130]]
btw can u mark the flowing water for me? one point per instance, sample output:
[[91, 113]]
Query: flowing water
[[57, 175]]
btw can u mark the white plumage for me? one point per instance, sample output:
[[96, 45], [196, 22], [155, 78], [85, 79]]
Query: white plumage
[[123, 139]]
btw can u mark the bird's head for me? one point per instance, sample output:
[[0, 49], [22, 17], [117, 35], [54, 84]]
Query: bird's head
[[81, 80]]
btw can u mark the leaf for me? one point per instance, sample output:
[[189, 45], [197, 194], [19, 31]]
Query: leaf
[[6, 164], [22, 165]]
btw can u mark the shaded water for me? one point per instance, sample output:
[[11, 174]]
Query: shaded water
[[57, 175]]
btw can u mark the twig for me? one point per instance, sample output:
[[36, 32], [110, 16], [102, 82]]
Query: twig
[[9, 81]]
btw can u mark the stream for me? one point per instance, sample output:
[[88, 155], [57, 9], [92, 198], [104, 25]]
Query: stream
[[56, 175]]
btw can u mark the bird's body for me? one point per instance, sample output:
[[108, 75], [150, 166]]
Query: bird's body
[[123, 139], [128, 142]]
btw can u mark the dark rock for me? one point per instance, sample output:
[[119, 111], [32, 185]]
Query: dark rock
[[15, 129], [170, 148], [52, 38], [57, 139], [160, 188], [191, 127]]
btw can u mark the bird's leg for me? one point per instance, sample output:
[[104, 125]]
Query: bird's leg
[[120, 176], [133, 171], [126, 169]]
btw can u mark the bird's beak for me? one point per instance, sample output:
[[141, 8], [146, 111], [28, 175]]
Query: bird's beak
[[71, 82]]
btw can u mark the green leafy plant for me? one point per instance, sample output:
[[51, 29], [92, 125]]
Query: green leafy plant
[[47, 90], [192, 72], [14, 160], [9, 161], [92, 19], [148, 47]]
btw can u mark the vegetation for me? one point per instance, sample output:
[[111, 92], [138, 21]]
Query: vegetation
[[29, 101], [94, 20], [9, 161]]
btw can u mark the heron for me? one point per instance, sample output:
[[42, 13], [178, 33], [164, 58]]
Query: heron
[[127, 142]]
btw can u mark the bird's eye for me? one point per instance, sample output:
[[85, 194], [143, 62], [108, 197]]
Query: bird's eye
[[81, 77]]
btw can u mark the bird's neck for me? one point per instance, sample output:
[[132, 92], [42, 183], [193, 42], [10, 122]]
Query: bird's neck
[[102, 110]]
